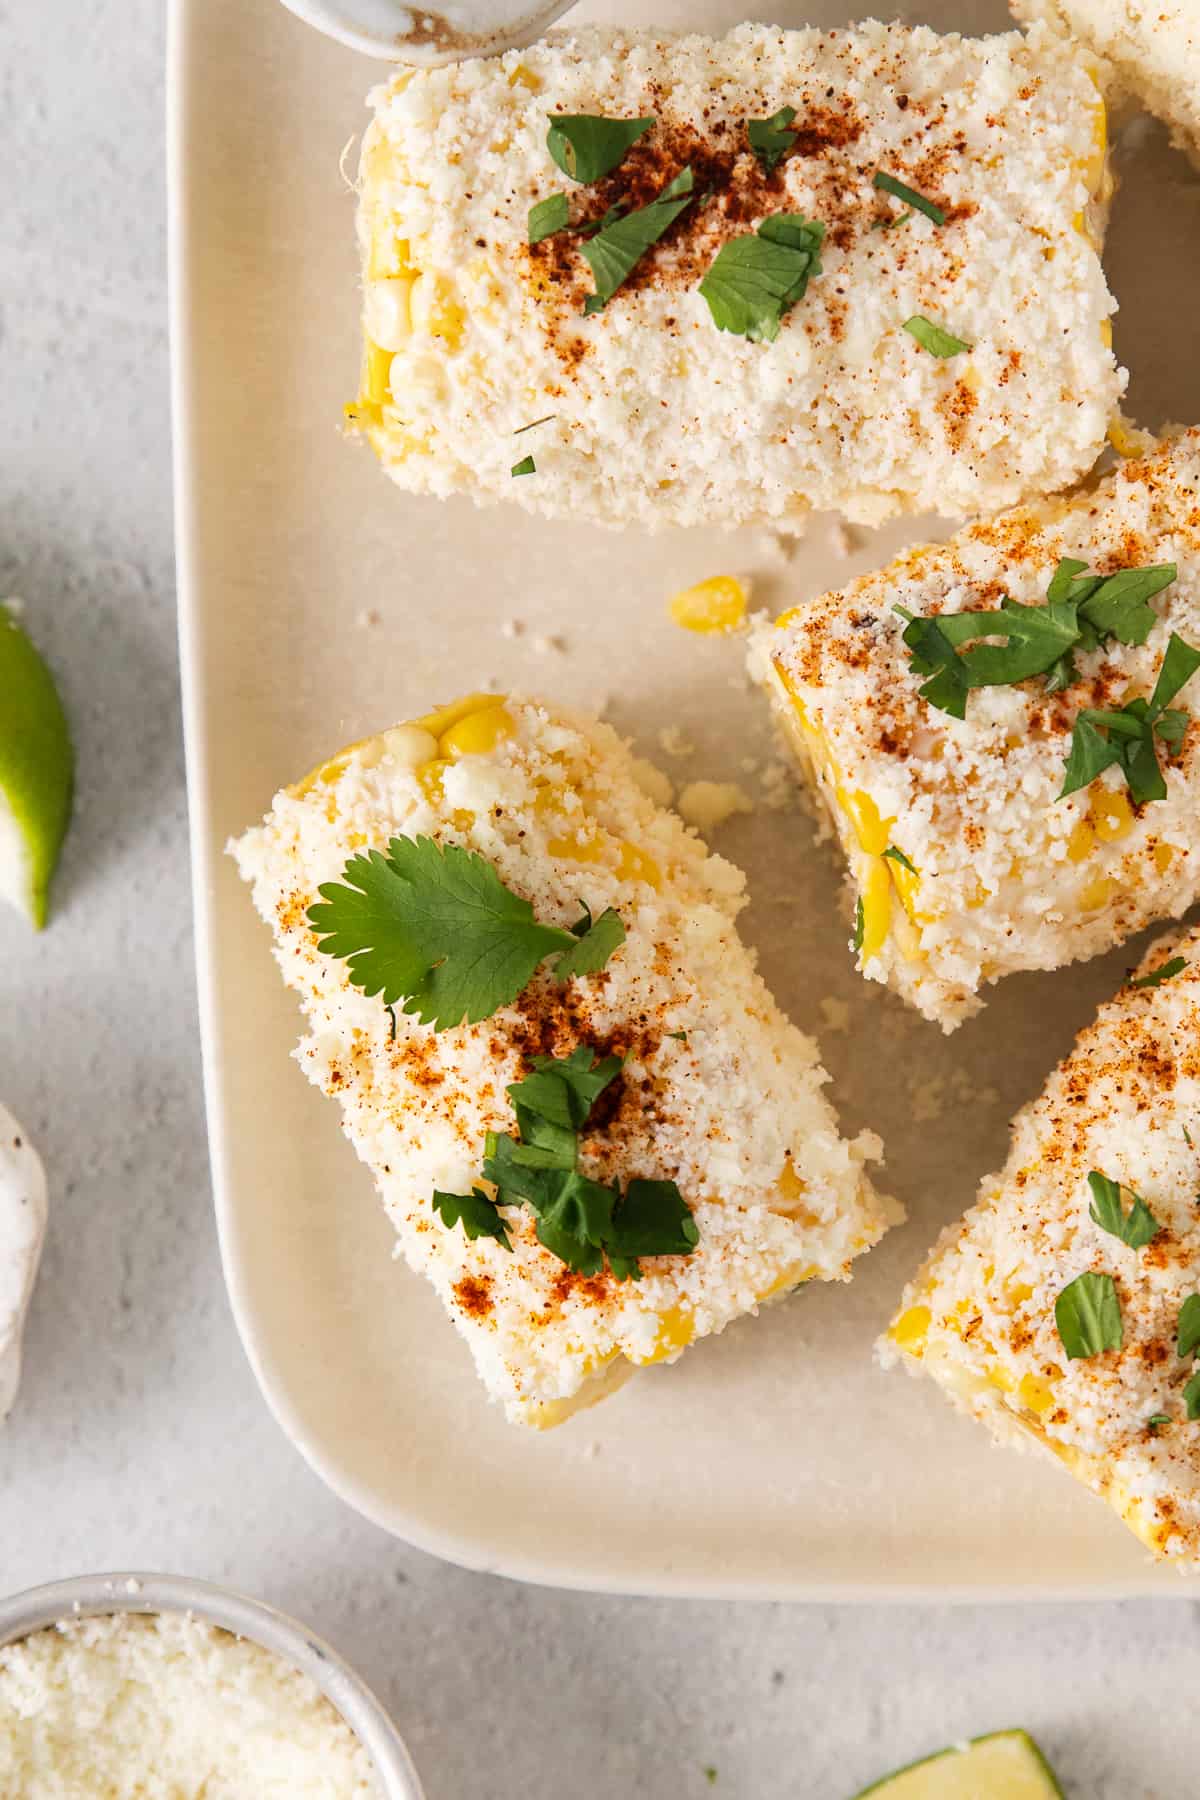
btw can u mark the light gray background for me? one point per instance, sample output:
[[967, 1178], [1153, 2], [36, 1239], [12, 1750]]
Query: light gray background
[[140, 1437]]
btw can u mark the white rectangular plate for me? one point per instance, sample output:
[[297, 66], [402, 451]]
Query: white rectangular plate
[[319, 604]]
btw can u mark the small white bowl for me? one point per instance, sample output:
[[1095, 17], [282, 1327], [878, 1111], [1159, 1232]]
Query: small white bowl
[[93, 1596], [426, 36]]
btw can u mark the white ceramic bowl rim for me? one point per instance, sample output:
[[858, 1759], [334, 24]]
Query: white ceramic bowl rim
[[93, 1596]]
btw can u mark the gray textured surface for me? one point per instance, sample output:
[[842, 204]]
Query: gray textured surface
[[140, 1437]]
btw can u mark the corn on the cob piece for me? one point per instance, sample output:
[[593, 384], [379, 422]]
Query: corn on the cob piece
[[718, 1092], [1152, 52], [472, 335], [990, 871], [980, 1316]]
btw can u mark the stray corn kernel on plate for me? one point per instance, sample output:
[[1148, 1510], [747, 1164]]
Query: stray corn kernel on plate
[[321, 603]]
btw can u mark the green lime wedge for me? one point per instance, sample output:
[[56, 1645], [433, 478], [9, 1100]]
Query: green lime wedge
[[37, 767], [1007, 1765]]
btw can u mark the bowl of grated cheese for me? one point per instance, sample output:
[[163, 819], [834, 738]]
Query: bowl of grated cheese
[[156, 1684]]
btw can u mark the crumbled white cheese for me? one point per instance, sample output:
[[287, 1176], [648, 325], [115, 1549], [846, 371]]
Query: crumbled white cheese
[[674, 742], [844, 410], [166, 1707], [708, 804], [23, 1211], [656, 785], [719, 1093]]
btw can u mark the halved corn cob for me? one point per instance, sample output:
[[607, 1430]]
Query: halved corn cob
[[718, 1092], [1153, 52], [473, 336], [980, 1316], [989, 870]]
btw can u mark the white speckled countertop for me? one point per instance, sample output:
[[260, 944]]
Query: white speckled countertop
[[140, 1437]]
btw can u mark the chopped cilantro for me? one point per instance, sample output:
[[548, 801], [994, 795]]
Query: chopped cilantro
[[1191, 1397], [899, 856], [1088, 1316], [1155, 1420], [891, 224], [621, 242], [526, 466], [478, 1215], [1126, 738], [859, 923], [435, 927], [547, 217], [1157, 976], [910, 196], [1187, 1335], [597, 939], [1135, 1228], [681, 1035], [933, 338], [755, 279], [770, 138], [1187, 1138], [586, 146], [579, 1220]]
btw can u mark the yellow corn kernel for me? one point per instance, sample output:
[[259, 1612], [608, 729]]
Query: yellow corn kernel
[[908, 1332], [1164, 855], [1081, 842], [386, 311], [635, 865], [388, 256], [715, 605], [591, 845], [1018, 1293], [377, 374], [478, 733], [440, 721], [791, 1190], [1035, 1394], [979, 896], [1106, 333], [791, 1278], [876, 909], [676, 1329], [1000, 1378], [1097, 893], [433, 310], [1094, 167], [1127, 440], [524, 77], [872, 832], [360, 415], [1111, 814]]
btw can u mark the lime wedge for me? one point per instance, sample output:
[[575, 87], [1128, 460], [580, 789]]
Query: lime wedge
[[1007, 1765], [37, 768]]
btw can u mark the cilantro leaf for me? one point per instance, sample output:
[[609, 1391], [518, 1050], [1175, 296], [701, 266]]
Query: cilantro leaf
[[435, 927], [563, 1089], [860, 924], [1088, 1316], [1135, 1228], [1125, 737], [755, 279], [770, 138], [526, 466], [597, 941], [1191, 1397], [890, 185], [1187, 1338], [586, 146], [933, 337], [1117, 605], [1163, 973], [547, 217], [615, 249], [479, 1216], [899, 856], [1155, 1420], [653, 1219]]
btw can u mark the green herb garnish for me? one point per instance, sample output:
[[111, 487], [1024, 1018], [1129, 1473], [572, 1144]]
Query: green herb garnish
[[1155, 1420], [933, 338], [622, 242], [579, 1220], [479, 1215], [1080, 612], [770, 138], [1135, 1228], [910, 196], [1157, 976], [1187, 1334], [1187, 1138], [1126, 738], [526, 466], [1088, 1316], [754, 280], [587, 146], [899, 856], [891, 224], [548, 216], [1191, 1397], [435, 927], [860, 921]]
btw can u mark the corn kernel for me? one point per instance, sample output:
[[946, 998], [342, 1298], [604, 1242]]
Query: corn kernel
[[910, 1328], [435, 723], [1164, 855], [377, 375], [386, 312], [1081, 842], [715, 605], [1000, 1378], [676, 1329], [635, 865], [1112, 816], [478, 733], [433, 310], [1035, 1394], [1097, 893], [876, 909], [872, 832]]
